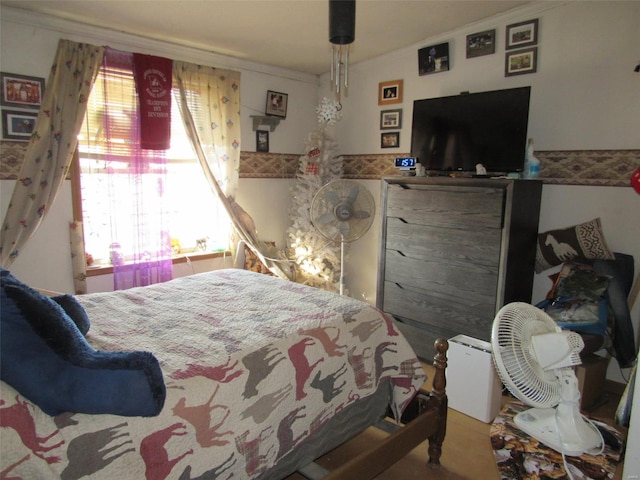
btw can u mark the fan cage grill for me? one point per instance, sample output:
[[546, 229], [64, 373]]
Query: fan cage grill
[[342, 210], [513, 328]]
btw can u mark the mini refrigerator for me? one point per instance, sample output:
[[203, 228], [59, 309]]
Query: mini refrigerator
[[473, 385]]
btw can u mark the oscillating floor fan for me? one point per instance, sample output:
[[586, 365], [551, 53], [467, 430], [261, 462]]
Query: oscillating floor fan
[[535, 358], [342, 211]]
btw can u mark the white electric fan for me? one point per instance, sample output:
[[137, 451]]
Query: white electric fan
[[535, 358], [342, 211]]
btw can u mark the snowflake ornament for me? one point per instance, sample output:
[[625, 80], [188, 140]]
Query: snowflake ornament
[[329, 111]]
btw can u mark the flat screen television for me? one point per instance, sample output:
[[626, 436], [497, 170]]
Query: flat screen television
[[453, 134]]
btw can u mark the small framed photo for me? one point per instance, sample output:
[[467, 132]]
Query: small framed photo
[[522, 34], [390, 92], [276, 104], [481, 43], [390, 140], [521, 62], [21, 91], [390, 119], [262, 141], [18, 125], [433, 59]]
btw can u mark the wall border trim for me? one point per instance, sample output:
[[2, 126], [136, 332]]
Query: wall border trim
[[559, 167]]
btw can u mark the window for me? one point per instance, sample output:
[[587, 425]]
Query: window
[[106, 189]]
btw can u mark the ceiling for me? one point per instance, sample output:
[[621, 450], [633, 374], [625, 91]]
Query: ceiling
[[292, 34]]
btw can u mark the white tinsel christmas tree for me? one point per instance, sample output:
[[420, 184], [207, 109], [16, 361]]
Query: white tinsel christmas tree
[[317, 259]]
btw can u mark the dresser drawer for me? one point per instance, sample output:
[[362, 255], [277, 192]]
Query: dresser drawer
[[446, 206], [422, 339], [453, 311], [453, 246], [459, 280]]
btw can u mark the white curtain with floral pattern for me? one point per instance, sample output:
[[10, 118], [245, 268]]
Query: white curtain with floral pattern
[[52, 144], [209, 103]]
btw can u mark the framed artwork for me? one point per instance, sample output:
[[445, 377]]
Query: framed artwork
[[481, 43], [17, 125], [523, 34], [262, 141], [390, 140], [390, 119], [21, 91], [390, 92], [433, 59], [521, 62], [276, 104]]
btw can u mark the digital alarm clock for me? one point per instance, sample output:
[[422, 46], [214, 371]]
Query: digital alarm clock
[[406, 162], [406, 165]]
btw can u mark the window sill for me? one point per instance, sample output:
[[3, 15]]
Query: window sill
[[97, 270]]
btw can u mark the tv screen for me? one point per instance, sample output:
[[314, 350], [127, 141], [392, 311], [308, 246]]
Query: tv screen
[[455, 133]]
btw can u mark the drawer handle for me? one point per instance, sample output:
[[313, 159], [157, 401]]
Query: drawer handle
[[398, 285], [400, 253]]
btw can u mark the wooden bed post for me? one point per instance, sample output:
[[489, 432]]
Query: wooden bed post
[[438, 401]]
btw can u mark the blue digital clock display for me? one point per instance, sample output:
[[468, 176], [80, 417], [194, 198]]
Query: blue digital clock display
[[406, 162]]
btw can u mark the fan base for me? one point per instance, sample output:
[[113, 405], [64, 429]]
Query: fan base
[[541, 424]]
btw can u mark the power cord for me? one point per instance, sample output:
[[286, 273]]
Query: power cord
[[564, 457]]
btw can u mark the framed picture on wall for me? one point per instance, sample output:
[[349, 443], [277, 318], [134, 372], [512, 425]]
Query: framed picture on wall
[[481, 43], [21, 91], [276, 104], [390, 140], [433, 59], [390, 119], [390, 92], [521, 62], [17, 125], [262, 141], [522, 34]]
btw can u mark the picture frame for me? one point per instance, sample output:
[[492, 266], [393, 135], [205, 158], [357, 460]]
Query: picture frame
[[481, 43], [390, 140], [21, 91], [390, 92], [390, 119], [262, 141], [18, 125], [433, 59], [522, 34], [521, 62], [276, 104]]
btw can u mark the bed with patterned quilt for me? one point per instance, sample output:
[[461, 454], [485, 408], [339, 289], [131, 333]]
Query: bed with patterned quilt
[[260, 376]]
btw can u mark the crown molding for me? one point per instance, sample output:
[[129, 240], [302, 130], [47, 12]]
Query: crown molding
[[85, 33]]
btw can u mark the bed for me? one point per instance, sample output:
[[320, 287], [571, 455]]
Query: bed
[[261, 377]]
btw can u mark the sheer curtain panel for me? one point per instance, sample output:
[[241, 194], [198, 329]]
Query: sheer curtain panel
[[130, 180]]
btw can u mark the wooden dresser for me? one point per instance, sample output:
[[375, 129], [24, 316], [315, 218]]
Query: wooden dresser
[[453, 251]]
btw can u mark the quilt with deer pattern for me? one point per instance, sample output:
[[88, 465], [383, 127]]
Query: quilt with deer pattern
[[253, 365]]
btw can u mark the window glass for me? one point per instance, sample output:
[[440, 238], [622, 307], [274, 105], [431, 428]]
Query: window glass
[[197, 220]]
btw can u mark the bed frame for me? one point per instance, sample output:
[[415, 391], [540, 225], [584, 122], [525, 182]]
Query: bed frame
[[424, 419]]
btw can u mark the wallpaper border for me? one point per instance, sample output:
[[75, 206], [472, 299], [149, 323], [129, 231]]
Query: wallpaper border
[[559, 167]]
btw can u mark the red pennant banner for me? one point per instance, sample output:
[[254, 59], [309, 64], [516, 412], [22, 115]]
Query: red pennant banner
[[635, 179], [153, 83]]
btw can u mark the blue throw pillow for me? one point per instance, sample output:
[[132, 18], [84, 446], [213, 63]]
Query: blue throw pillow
[[45, 357], [75, 311], [67, 302]]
